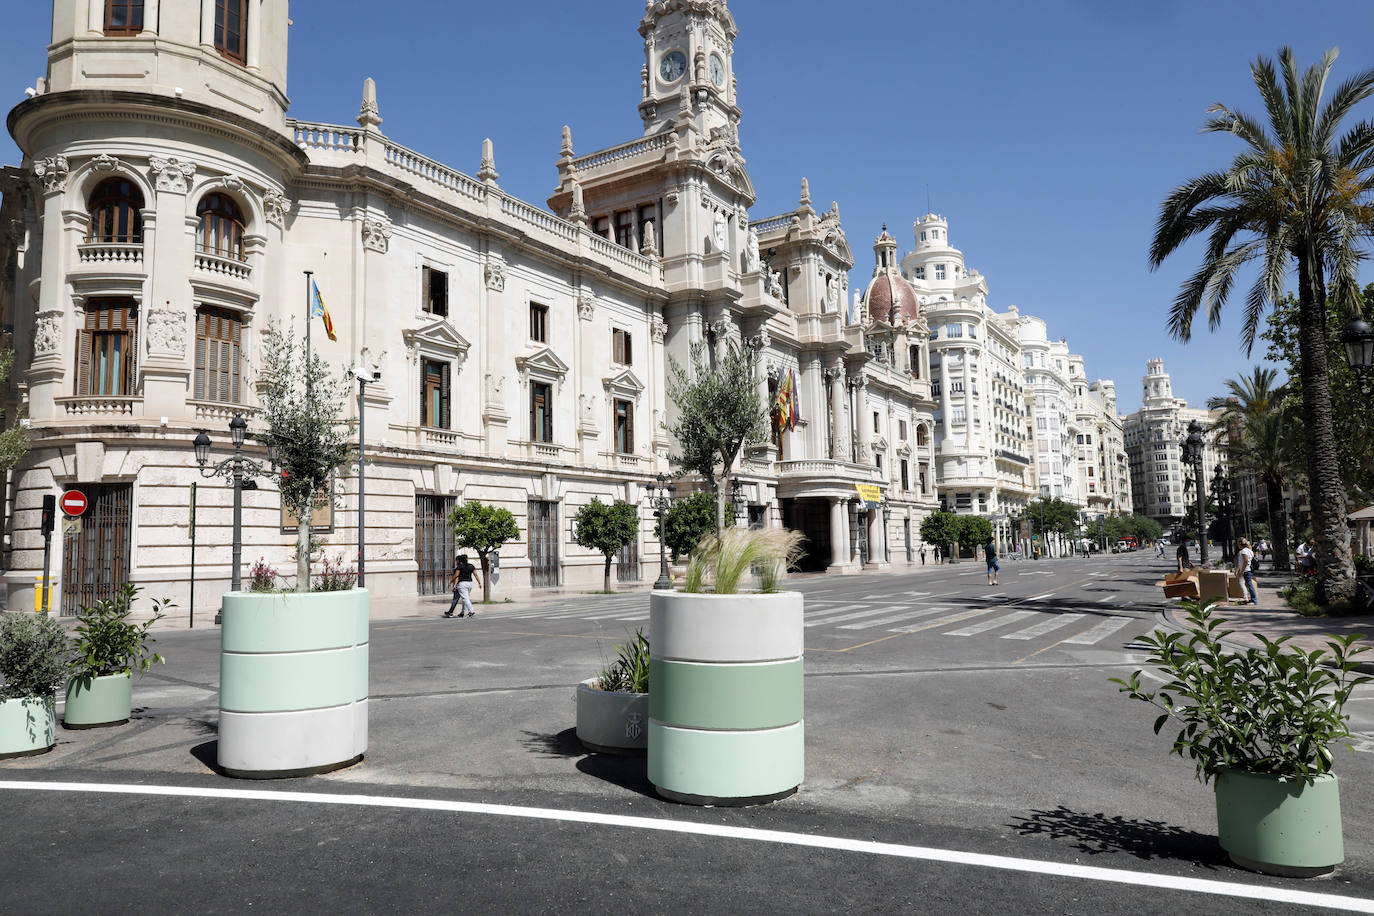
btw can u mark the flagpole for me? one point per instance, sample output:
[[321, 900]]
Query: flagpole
[[309, 307]]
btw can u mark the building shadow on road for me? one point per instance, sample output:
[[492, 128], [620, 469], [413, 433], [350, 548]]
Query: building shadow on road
[[626, 771], [1095, 834]]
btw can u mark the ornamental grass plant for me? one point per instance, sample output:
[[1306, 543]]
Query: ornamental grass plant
[[1272, 709], [629, 673], [723, 560]]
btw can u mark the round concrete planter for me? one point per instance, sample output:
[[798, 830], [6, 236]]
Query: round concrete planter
[[725, 712], [96, 701], [293, 682], [612, 722], [1279, 825], [27, 726]]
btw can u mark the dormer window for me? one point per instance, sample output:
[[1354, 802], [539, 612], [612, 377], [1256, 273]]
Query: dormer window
[[231, 29], [123, 17]]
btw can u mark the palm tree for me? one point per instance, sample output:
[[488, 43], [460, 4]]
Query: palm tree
[[1301, 195], [1255, 429]]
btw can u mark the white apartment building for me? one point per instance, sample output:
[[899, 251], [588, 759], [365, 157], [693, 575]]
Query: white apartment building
[[1054, 423], [167, 208], [1153, 437], [983, 463], [1103, 469]]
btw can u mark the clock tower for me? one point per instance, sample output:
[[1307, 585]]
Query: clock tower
[[688, 70]]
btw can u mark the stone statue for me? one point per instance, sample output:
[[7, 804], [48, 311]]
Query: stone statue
[[718, 231], [751, 253]]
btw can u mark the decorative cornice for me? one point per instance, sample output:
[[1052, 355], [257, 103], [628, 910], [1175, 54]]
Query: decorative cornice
[[172, 175], [52, 172]]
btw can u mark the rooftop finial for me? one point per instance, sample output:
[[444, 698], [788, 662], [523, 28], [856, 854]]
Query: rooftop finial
[[806, 193], [650, 247], [487, 173], [369, 115], [567, 148], [578, 212]]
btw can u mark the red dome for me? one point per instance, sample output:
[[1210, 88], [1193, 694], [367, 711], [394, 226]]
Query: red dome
[[889, 294]]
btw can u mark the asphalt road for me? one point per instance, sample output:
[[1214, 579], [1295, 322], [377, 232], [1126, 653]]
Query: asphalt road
[[948, 719]]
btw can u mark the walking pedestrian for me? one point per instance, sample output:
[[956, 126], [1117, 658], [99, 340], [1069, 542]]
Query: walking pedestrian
[[923, 555], [464, 575], [1245, 569], [1160, 545], [937, 554], [990, 554], [1184, 562]]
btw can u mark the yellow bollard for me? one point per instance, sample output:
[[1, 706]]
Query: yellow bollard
[[38, 593]]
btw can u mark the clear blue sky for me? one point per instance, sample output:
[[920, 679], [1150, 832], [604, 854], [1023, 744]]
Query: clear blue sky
[[1046, 132]]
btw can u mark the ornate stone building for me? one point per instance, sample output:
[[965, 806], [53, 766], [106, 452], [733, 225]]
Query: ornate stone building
[[1153, 437], [166, 212]]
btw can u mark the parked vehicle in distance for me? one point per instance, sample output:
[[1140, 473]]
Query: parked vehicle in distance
[[1122, 546]]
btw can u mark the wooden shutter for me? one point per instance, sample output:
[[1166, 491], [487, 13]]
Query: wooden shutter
[[83, 362], [445, 420], [424, 288], [130, 316], [534, 397], [202, 384]]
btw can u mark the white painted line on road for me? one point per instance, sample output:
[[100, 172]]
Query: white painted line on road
[[961, 615], [896, 618], [830, 616], [1044, 626], [1040, 597], [993, 624], [750, 834], [1101, 631]]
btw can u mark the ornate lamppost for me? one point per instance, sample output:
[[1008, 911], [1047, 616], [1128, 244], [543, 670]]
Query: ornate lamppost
[[1358, 340], [234, 469], [1192, 456], [887, 528], [1221, 489], [737, 502], [661, 500]]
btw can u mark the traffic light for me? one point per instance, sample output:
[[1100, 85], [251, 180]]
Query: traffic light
[[49, 513]]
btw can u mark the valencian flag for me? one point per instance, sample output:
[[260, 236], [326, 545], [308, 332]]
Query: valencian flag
[[318, 310], [786, 408]]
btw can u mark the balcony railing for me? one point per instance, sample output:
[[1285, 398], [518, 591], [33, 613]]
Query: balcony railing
[[217, 411], [99, 406], [228, 268], [111, 254]]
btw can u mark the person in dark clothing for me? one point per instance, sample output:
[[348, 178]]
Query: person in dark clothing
[[1184, 562], [990, 554], [464, 576]]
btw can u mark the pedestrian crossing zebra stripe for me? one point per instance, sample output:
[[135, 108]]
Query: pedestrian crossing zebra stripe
[[829, 617], [1099, 632], [939, 622], [896, 618], [1044, 626], [993, 624]]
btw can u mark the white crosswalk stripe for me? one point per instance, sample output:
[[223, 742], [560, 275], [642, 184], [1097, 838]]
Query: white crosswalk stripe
[[952, 618], [830, 617], [895, 618], [1045, 626], [992, 624], [1099, 632]]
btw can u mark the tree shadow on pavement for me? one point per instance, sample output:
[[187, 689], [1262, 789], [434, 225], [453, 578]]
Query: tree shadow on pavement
[[1145, 839], [563, 744], [626, 771]]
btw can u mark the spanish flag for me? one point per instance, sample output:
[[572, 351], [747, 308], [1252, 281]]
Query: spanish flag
[[318, 310]]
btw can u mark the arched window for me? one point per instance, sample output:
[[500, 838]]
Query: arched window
[[231, 29], [116, 207], [221, 227]]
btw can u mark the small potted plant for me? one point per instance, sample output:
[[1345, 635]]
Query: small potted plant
[[1261, 722], [34, 662], [725, 720], [613, 707], [108, 649]]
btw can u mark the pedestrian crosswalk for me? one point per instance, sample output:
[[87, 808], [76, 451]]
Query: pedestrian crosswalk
[[995, 616]]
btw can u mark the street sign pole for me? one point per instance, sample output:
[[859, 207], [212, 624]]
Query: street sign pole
[[193, 555], [49, 519]]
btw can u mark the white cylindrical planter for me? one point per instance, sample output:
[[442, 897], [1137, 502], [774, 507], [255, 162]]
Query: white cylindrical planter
[[28, 725], [612, 722], [293, 682], [726, 697], [96, 701]]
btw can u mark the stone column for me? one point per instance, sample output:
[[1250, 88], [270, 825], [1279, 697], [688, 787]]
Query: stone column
[[96, 15], [495, 385], [839, 532], [877, 538], [945, 399], [813, 409], [840, 426], [53, 330], [864, 421], [169, 251], [207, 22], [150, 17]]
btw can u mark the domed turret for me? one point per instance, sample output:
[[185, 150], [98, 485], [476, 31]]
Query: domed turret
[[889, 298]]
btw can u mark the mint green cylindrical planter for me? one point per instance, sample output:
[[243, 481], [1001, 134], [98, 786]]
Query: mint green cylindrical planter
[[96, 701], [293, 682], [726, 697], [1280, 825], [28, 726]]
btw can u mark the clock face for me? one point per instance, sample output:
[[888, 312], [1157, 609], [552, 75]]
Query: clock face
[[673, 65], [717, 70]]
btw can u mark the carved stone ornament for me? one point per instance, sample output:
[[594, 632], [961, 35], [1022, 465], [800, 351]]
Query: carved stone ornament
[[495, 388], [172, 174], [104, 163], [774, 283], [166, 332], [275, 206], [833, 373], [586, 307], [658, 329], [760, 341], [231, 183], [720, 328], [858, 380], [47, 333], [751, 252], [377, 233], [718, 231], [496, 276], [52, 173]]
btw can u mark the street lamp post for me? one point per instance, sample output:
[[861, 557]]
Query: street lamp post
[[1221, 489], [234, 469], [887, 529], [1192, 455], [737, 503], [661, 499], [363, 376]]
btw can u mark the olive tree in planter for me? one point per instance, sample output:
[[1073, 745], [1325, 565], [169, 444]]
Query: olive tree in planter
[[1260, 722], [725, 711], [613, 707], [34, 662], [606, 529], [108, 649], [294, 665]]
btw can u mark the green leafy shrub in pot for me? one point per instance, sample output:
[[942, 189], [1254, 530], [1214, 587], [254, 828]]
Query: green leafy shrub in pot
[[724, 560], [35, 656], [107, 643], [629, 673], [1268, 709]]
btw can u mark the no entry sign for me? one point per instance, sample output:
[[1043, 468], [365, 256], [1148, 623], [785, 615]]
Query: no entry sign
[[73, 502]]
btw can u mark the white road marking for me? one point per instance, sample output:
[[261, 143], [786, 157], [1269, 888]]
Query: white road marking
[[750, 834], [961, 615], [993, 624], [1044, 626], [1040, 597], [830, 617], [896, 618], [1101, 631]]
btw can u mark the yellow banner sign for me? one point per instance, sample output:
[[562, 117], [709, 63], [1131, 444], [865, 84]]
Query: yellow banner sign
[[871, 495]]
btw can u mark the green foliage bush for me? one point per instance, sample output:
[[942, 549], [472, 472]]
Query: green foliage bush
[[689, 520], [107, 643], [629, 673], [606, 529], [482, 528], [335, 576], [35, 656], [1267, 709]]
